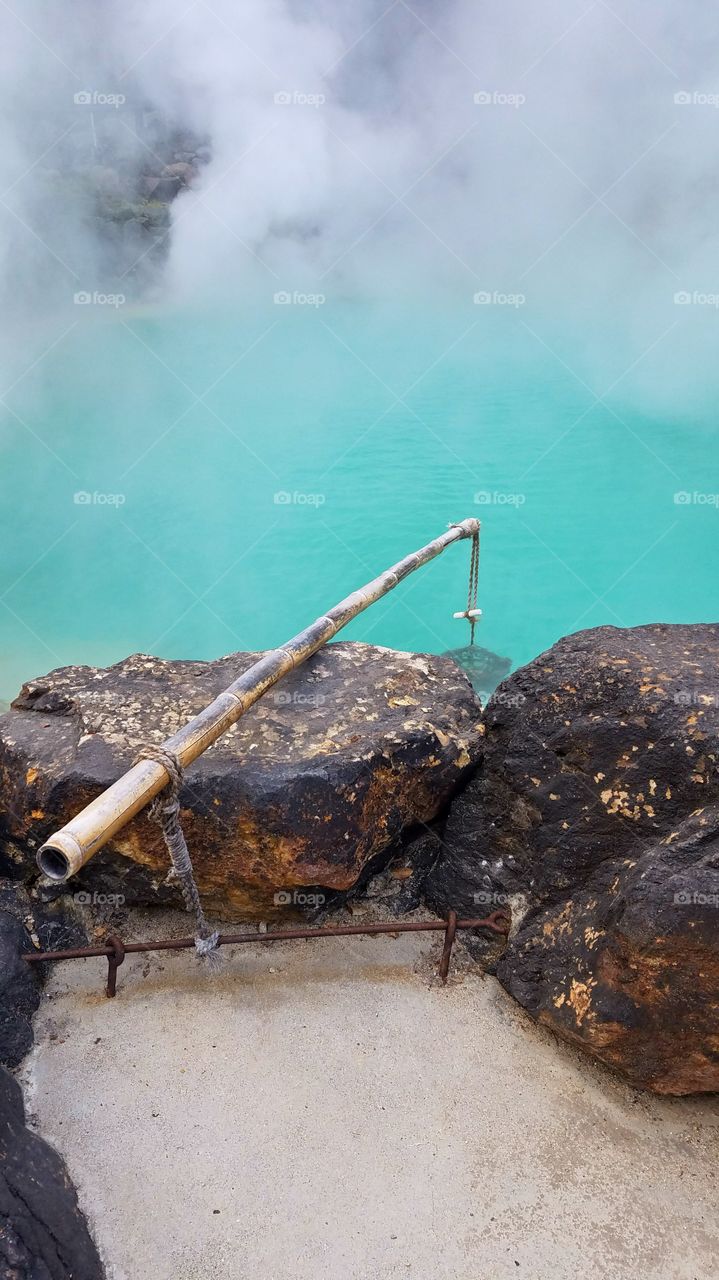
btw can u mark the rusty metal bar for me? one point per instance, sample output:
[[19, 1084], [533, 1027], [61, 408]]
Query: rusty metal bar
[[449, 934], [114, 960], [115, 949], [65, 852]]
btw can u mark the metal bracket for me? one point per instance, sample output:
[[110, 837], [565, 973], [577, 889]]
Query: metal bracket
[[114, 960], [449, 935]]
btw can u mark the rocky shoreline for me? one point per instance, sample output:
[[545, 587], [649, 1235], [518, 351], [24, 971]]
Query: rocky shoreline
[[583, 800]]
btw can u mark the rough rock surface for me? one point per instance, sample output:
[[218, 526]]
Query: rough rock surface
[[43, 1234], [26, 923], [20, 990], [320, 777], [398, 884], [595, 816]]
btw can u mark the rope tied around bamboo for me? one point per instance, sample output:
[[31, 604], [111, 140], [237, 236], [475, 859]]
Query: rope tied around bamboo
[[472, 613], [165, 811]]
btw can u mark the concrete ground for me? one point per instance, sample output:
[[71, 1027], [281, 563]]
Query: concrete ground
[[324, 1110]]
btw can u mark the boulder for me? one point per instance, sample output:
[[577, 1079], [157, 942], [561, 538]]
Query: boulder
[[594, 816], [628, 966], [43, 1234], [27, 924], [317, 780], [20, 990]]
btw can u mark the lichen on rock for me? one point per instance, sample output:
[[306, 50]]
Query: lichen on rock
[[317, 780]]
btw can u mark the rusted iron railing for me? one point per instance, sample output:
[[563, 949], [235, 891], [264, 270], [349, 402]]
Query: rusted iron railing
[[115, 950]]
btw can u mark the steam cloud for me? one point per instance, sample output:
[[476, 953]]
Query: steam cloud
[[417, 151]]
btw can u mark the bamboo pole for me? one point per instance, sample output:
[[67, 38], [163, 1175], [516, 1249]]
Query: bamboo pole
[[70, 848]]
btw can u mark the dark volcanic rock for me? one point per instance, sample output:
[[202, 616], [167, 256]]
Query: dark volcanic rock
[[594, 815], [20, 990], [628, 966], [43, 1234], [398, 885], [320, 777], [27, 925]]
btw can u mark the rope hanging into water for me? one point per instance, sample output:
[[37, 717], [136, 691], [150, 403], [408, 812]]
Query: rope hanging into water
[[472, 613], [473, 585], [165, 811]]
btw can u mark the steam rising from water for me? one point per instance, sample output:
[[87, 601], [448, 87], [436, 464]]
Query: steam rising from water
[[510, 210], [417, 151]]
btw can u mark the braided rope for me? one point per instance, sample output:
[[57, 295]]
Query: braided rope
[[473, 588], [165, 811]]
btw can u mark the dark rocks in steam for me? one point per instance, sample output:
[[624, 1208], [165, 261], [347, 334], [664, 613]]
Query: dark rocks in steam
[[121, 176]]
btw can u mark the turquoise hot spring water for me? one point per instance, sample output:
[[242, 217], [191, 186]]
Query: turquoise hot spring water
[[189, 483]]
